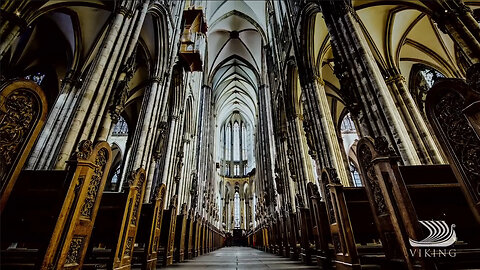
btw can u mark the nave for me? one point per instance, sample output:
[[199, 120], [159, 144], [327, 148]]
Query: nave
[[236, 258]]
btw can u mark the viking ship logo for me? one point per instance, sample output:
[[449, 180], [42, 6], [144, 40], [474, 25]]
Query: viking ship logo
[[440, 235]]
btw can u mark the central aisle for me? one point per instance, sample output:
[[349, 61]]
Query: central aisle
[[240, 258]]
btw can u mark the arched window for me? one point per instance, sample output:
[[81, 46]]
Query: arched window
[[355, 175], [348, 132], [349, 137], [422, 79], [236, 212], [236, 141], [228, 142], [244, 142], [121, 128], [116, 175]]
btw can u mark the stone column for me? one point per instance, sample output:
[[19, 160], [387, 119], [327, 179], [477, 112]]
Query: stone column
[[232, 166], [68, 123], [241, 147], [318, 123], [128, 56], [224, 167], [174, 154], [427, 149], [264, 170], [456, 19], [51, 133], [320, 130], [297, 168], [282, 178], [146, 129], [362, 82], [204, 120]]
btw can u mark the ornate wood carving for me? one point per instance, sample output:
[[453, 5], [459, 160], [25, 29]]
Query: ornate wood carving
[[131, 215], [453, 110], [392, 209], [370, 180], [156, 228], [89, 168], [23, 110]]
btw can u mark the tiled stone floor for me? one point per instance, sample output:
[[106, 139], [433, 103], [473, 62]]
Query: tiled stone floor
[[240, 258]]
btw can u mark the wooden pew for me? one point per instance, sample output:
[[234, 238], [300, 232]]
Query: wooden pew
[[344, 232], [413, 193], [453, 110], [190, 240], [202, 236], [181, 226], [320, 227], [277, 232], [306, 233], [197, 236], [30, 202], [368, 242], [343, 242], [436, 195], [285, 234], [392, 209], [48, 220], [294, 243], [114, 234], [23, 110], [146, 251], [167, 243]]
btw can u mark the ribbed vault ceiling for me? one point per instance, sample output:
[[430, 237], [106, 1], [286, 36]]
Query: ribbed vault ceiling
[[235, 38]]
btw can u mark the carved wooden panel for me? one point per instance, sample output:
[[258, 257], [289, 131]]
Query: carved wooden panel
[[377, 198], [392, 209], [453, 112], [23, 110], [89, 168], [156, 228], [131, 216]]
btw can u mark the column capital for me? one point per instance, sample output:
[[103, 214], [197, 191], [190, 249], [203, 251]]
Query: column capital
[[156, 79], [319, 80], [394, 78]]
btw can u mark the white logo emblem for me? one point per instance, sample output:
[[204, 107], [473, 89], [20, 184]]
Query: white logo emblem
[[440, 235]]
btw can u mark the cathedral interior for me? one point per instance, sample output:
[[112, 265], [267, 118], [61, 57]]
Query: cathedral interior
[[319, 134]]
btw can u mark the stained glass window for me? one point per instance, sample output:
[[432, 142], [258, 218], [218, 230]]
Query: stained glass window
[[121, 128]]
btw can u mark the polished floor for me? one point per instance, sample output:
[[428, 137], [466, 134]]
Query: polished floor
[[240, 258]]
